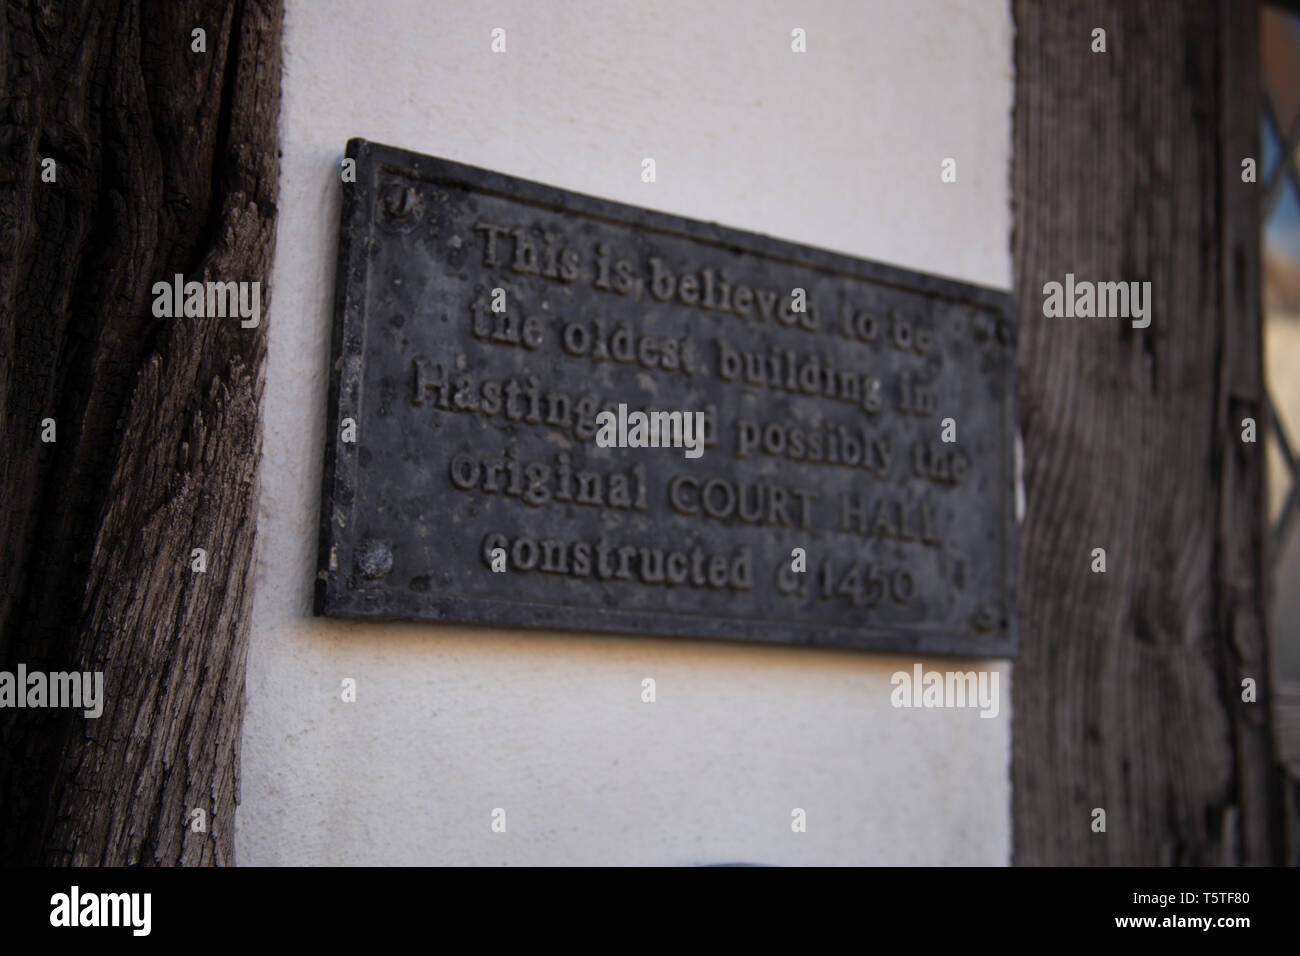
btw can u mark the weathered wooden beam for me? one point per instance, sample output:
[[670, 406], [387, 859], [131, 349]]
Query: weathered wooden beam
[[166, 162], [1128, 691]]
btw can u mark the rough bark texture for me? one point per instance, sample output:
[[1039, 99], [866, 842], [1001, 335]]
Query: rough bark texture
[[1128, 693], [166, 163]]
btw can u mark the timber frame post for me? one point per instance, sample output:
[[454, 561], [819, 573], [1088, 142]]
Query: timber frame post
[[1127, 166], [161, 118]]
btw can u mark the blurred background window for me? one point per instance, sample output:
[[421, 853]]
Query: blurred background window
[[1280, 275]]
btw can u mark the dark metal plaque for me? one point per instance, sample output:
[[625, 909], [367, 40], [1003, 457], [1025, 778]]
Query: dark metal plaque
[[866, 437]]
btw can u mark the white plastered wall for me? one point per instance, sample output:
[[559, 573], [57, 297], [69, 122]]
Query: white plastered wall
[[839, 147]]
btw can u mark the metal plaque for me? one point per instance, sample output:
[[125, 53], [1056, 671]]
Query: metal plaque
[[800, 447]]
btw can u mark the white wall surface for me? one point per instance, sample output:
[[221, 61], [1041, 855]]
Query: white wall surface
[[840, 148]]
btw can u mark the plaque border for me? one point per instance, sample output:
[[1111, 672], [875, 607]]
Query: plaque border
[[336, 596]]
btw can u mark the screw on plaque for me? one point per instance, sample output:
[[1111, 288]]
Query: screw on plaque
[[983, 620], [374, 559], [982, 327], [401, 202]]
